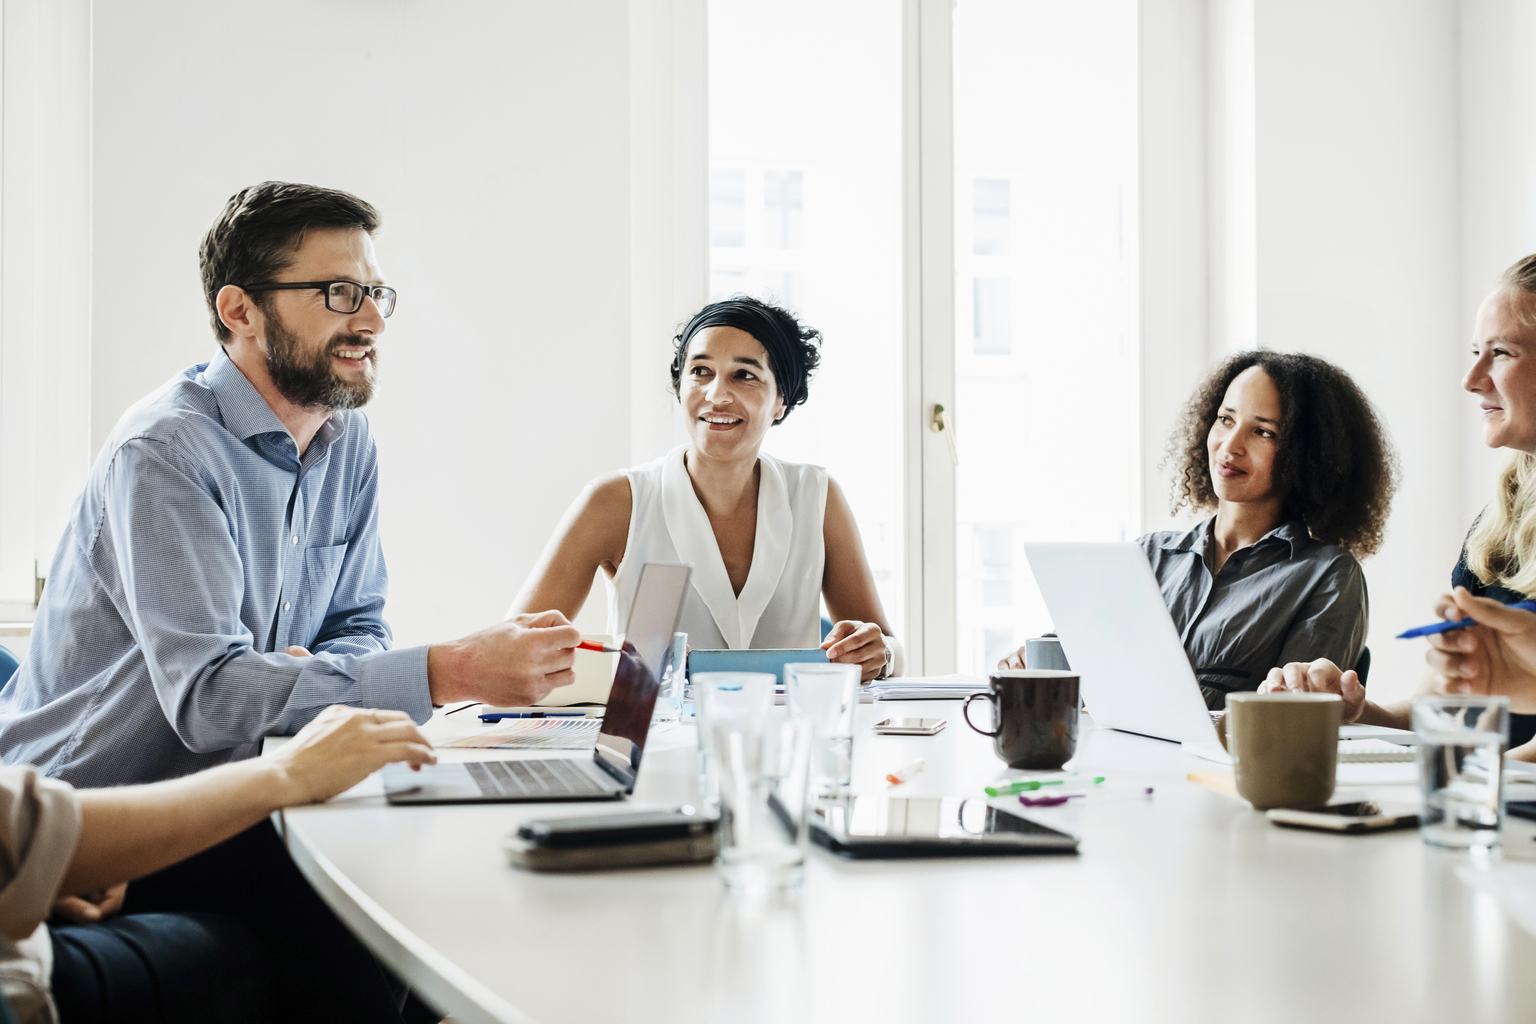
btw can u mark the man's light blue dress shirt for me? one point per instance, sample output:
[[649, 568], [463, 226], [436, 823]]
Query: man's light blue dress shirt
[[201, 545]]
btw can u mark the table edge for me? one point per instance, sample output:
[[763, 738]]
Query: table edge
[[448, 987]]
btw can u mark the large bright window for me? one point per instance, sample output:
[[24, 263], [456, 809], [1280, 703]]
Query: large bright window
[[1045, 342], [805, 210]]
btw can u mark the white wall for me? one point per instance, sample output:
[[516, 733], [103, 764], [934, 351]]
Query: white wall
[[45, 283], [494, 138], [1357, 255], [1498, 176], [1301, 191]]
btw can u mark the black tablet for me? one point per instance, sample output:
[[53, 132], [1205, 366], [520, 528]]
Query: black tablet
[[931, 826]]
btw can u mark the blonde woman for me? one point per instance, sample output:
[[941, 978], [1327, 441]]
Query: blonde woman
[[1498, 563]]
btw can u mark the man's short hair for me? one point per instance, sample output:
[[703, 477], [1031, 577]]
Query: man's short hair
[[261, 227]]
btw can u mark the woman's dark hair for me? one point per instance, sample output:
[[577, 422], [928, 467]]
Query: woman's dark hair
[[256, 234], [1334, 463], [794, 350]]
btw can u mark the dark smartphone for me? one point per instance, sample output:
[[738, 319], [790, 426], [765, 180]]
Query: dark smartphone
[[611, 829], [1359, 816]]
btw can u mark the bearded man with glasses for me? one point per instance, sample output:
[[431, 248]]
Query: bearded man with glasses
[[221, 579]]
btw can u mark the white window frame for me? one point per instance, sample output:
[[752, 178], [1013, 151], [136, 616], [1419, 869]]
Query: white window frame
[[929, 295]]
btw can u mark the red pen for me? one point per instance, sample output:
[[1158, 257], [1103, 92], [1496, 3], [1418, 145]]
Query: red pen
[[592, 645]]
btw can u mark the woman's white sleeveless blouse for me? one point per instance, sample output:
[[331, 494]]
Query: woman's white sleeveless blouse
[[780, 605]]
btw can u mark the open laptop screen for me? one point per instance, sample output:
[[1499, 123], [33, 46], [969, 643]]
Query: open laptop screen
[[647, 645]]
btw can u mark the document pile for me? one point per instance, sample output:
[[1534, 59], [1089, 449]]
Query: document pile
[[529, 734], [950, 687]]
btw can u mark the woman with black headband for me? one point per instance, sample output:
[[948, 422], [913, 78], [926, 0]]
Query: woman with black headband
[[768, 540]]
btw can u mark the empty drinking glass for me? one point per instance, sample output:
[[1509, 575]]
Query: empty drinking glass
[[763, 768], [1461, 744], [669, 698], [720, 697], [828, 695]]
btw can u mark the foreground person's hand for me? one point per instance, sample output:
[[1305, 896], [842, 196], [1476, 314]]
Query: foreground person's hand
[[88, 908], [857, 643], [1320, 676], [1496, 656], [511, 664], [342, 747]]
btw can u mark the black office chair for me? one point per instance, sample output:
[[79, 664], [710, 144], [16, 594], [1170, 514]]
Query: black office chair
[[1363, 666]]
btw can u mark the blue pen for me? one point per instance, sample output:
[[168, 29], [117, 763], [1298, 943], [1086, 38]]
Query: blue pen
[[498, 716], [1446, 627]]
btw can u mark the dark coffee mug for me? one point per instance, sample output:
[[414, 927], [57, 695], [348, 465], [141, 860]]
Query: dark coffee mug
[[1036, 715]]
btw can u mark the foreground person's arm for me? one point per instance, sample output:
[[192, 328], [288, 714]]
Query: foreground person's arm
[[131, 831]]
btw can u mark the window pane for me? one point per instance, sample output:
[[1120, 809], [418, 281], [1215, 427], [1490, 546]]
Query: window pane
[[727, 207], [1045, 353], [806, 211], [991, 212]]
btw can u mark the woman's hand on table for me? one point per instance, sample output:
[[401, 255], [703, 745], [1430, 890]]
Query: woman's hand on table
[[857, 643], [1320, 676], [1496, 656], [1014, 660]]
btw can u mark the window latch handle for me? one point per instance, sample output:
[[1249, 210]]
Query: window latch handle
[[941, 424]]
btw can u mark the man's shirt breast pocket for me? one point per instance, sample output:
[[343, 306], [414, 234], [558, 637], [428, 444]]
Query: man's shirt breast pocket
[[322, 567]]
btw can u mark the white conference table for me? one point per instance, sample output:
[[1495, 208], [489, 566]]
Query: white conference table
[[1185, 906]]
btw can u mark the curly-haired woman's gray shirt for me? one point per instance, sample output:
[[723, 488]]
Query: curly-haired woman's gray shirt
[[1286, 598]]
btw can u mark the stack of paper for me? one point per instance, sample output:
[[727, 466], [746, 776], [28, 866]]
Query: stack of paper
[[530, 734], [1374, 752], [950, 687]]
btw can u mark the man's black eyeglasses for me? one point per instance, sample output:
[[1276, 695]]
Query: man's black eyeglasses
[[340, 296]]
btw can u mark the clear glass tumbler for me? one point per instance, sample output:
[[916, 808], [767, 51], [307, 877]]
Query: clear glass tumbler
[[764, 771], [829, 696], [1461, 769], [669, 698], [721, 697]]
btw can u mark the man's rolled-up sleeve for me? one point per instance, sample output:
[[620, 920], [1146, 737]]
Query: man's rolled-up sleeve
[[166, 553]]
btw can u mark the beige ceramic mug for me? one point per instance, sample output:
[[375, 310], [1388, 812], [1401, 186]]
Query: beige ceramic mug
[[1284, 747]]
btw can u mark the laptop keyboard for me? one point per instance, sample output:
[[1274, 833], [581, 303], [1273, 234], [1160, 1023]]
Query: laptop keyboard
[[533, 779]]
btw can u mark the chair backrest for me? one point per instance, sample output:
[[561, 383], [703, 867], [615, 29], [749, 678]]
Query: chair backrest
[[1363, 666], [8, 667]]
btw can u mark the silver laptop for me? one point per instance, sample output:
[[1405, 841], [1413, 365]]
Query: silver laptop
[[611, 771], [1117, 634]]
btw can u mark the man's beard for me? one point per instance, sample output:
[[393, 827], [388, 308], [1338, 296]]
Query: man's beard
[[313, 383]]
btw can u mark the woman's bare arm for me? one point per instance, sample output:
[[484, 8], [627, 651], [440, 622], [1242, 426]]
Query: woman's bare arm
[[593, 534], [130, 831], [860, 631]]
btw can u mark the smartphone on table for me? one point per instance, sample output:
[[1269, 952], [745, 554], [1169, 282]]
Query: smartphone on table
[[909, 726], [1350, 818]]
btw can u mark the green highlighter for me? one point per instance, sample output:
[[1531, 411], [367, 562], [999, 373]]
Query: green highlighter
[[1028, 785]]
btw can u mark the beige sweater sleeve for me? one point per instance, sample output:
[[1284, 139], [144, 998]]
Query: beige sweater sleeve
[[39, 827]]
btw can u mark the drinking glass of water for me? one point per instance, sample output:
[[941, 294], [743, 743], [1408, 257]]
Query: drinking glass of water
[[1461, 769], [827, 694], [721, 698]]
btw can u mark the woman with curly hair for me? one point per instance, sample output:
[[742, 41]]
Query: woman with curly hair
[[768, 539], [1287, 452]]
